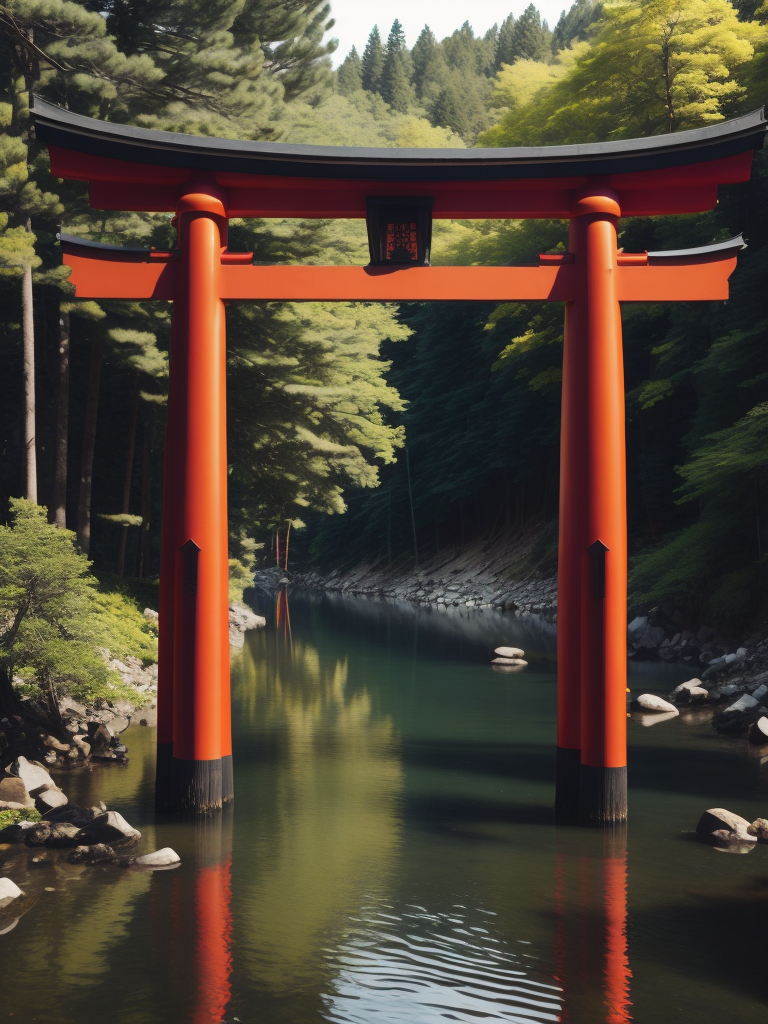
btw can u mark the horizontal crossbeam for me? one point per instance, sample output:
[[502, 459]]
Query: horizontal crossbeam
[[697, 279]]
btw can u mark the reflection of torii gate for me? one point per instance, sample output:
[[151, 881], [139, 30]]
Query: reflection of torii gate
[[207, 181]]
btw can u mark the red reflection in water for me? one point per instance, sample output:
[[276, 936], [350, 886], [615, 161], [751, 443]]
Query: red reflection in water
[[213, 946], [591, 934], [283, 614]]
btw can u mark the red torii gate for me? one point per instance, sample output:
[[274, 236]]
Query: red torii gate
[[206, 181]]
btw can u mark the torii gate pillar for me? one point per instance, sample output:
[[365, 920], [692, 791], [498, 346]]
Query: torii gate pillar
[[194, 720], [592, 597]]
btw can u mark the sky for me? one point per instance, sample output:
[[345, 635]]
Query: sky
[[356, 18]]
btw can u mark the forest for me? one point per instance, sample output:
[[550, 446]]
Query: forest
[[342, 416]]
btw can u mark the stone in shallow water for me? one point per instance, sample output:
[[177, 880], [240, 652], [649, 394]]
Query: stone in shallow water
[[509, 661], [159, 859], [717, 819], [62, 835], [110, 827], [649, 718], [100, 853], [652, 702], [509, 652], [759, 829], [8, 891], [758, 731], [49, 799]]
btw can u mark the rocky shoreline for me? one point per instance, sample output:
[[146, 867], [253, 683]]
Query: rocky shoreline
[[91, 732]]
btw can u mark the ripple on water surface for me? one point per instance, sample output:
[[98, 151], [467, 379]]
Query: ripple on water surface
[[420, 967]]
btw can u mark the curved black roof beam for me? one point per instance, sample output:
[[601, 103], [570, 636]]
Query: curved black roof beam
[[58, 127]]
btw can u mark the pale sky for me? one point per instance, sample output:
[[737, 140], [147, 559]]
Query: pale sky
[[356, 18]]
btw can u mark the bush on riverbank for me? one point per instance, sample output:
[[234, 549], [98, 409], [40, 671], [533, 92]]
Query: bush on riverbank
[[55, 624]]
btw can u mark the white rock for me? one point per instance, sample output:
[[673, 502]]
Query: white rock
[[652, 702], [8, 891], [741, 652], [745, 703], [159, 859], [150, 613], [508, 667], [758, 731], [509, 652], [49, 799], [35, 778], [509, 661], [686, 687]]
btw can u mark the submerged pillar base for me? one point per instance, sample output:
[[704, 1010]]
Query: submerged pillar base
[[603, 795], [200, 787], [567, 797]]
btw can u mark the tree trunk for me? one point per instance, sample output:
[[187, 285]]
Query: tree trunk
[[59, 502], [89, 442], [28, 333], [120, 565], [145, 554]]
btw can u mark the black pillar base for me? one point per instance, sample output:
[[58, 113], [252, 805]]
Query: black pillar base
[[227, 780], [197, 786], [567, 771], [163, 776], [603, 795]]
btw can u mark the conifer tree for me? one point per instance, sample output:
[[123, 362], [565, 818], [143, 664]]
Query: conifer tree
[[395, 78], [373, 62], [575, 23], [448, 111], [429, 68], [350, 73], [505, 42], [531, 38]]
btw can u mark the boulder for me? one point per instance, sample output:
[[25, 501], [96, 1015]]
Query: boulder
[[70, 815], [164, 858], [82, 745], [16, 833], [63, 835], [54, 744], [508, 667], [759, 829], [684, 690], [8, 891], [758, 731], [718, 819], [39, 834], [110, 827], [745, 703], [13, 790], [33, 775], [151, 614], [509, 652], [509, 661], [652, 702], [99, 853], [50, 799], [760, 692], [637, 627]]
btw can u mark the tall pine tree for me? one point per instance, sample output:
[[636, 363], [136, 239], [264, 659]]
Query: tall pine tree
[[373, 62], [395, 76]]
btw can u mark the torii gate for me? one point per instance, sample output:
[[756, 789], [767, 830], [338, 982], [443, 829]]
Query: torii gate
[[206, 181]]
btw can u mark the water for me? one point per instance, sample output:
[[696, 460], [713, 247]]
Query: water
[[392, 857]]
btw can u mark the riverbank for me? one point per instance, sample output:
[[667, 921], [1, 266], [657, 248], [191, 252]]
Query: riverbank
[[89, 731]]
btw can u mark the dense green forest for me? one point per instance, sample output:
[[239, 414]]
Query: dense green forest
[[332, 406]]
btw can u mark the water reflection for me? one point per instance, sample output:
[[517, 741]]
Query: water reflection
[[191, 934], [318, 786], [591, 927]]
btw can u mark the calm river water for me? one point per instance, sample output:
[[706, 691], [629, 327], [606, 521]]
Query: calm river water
[[392, 855]]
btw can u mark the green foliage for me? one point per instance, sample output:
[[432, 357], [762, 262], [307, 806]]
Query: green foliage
[[14, 817], [350, 73], [55, 621]]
